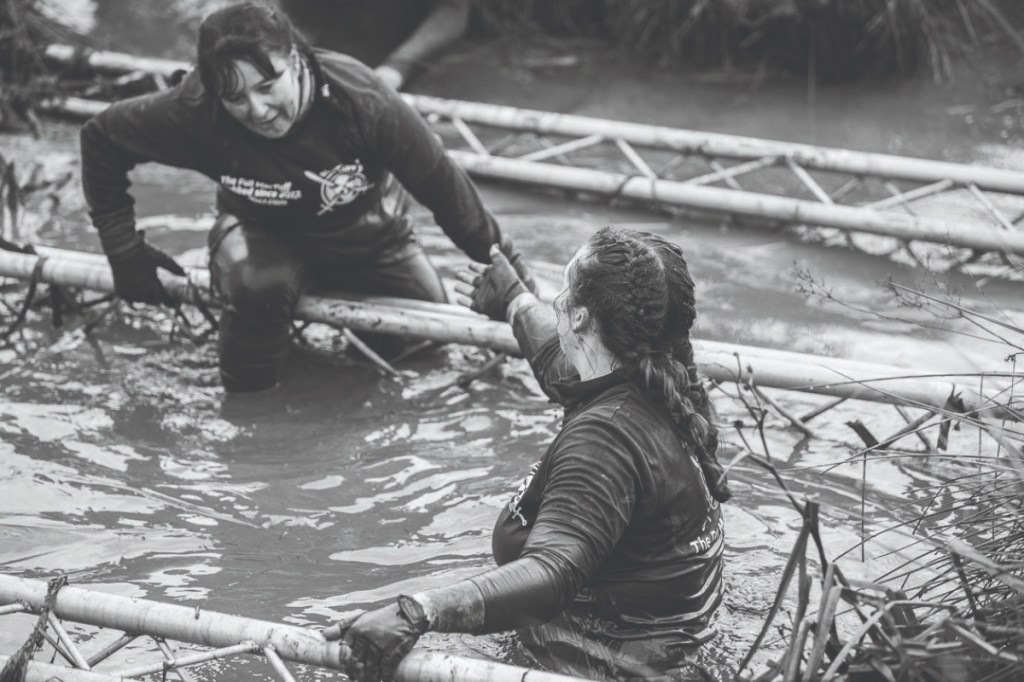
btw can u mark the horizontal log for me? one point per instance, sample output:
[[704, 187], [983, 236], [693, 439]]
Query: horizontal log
[[966, 234], [219, 630], [904, 226], [722, 145], [638, 134], [38, 671], [113, 62], [446, 323]]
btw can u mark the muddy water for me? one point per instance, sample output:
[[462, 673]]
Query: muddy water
[[123, 465]]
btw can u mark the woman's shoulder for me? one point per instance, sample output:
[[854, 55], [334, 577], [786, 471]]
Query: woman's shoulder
[[620, 408], [184, 105], [346, 72]]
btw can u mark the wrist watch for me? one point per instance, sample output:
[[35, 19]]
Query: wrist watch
[[413, 612]]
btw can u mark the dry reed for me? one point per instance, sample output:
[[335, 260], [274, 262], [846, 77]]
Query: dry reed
[[953, 608]]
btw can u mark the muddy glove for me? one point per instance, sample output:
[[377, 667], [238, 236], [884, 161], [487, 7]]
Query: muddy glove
[[135, 278], [380, 639], [488, 289], [519, 263]]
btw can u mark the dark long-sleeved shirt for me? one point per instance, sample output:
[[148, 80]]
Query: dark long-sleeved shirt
[[617, 509], [320, 183]]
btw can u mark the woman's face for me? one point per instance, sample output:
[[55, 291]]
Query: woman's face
[[267, 105]]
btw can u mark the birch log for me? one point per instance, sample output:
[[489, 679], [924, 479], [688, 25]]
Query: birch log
[[446, 323], [219, 630], [965, 234]]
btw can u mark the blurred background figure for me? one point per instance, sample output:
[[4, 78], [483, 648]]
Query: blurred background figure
[[397, 37]]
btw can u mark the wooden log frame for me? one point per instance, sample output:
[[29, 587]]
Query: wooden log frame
[[722, 362], [890, 216], [227, 635]]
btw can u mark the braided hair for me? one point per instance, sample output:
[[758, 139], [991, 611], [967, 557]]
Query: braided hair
[[638, 288]]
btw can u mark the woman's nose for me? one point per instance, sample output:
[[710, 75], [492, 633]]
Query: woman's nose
[[258, 106]]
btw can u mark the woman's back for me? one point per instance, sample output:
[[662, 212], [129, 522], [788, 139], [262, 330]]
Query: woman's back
[[621, 499]]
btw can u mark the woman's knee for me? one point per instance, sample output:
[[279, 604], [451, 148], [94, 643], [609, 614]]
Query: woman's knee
[[267, 292]]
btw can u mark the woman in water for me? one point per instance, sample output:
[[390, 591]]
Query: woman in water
[[610, 554], [303, 145]]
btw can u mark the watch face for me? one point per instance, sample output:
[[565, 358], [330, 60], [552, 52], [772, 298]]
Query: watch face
[[413, 612]]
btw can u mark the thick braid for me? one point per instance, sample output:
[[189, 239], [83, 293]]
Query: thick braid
[[639, 289], [703, 428]]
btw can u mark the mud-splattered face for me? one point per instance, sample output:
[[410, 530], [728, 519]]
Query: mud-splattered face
[[268, 105]]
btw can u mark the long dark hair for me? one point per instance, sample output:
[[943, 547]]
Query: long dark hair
[[638, 288], [248, 32]]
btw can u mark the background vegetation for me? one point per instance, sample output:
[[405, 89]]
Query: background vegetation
[[832, 40]]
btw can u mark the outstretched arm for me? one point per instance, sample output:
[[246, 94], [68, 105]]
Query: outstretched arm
[[146, 128], [499, 292], [409, 149], [130, 132], [581, 519]]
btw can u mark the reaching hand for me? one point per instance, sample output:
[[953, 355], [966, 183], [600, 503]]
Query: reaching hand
[[378, 641], [135, 276], [519, 263], [488, 289]]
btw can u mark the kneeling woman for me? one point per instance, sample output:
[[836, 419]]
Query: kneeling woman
[[610, 554], [305, 146]]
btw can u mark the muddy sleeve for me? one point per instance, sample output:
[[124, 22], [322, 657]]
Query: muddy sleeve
[[592, 488], [536, 330], [409, 149], [134, 131], [588, 501], [444, 25]]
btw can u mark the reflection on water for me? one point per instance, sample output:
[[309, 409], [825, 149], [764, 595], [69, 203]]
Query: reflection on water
[[341, 490]]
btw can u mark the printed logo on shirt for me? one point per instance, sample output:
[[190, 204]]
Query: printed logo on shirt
[[708, 536], [514, 503], [339, 185], [259, 192]]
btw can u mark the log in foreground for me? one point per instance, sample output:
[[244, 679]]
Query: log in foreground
[[38, 671], [219, 630], [445, 323]]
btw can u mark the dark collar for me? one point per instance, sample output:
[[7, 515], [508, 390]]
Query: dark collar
[[575, 393]]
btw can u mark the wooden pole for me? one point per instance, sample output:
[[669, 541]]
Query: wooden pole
[[37, 671], [114, 62], [967, 234], [721, 145], [638, 134], [452, 324], [221, 630]]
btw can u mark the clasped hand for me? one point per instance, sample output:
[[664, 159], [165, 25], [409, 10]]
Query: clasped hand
[[488, 289]]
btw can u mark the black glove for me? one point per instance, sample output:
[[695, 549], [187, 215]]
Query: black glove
[[135, 278], [489, 289], [519, 263], [380, 639]]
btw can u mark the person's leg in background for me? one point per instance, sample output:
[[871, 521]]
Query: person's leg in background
[[259, 278]]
